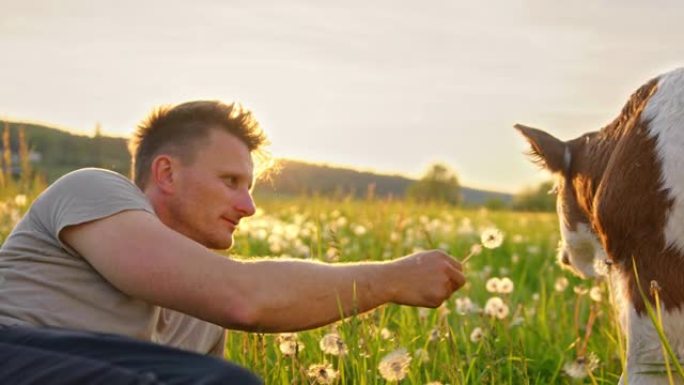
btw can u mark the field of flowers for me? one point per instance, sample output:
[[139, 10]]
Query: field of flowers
[[520, 319]]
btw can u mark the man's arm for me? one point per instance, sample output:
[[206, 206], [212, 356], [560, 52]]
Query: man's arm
[[145, 259]]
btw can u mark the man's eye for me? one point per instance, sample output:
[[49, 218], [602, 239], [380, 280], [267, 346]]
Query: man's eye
[[230, 181]]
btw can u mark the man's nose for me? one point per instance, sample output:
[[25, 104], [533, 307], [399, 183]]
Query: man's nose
[[245, 204]]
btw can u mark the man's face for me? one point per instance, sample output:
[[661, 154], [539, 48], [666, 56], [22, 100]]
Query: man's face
[[213, 192]]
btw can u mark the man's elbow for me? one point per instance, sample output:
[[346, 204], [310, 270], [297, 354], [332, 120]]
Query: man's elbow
[[244, 315]]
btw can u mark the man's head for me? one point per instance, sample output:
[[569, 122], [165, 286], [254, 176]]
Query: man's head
[[181, 129], [195, 163]]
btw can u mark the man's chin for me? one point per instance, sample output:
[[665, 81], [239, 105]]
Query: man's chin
[[221, 244]]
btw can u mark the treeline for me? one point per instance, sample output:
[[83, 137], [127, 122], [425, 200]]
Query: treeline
[[301, 178], [54, 152]]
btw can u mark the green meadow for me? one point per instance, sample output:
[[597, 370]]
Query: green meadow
[[520, 319], [549, 328]]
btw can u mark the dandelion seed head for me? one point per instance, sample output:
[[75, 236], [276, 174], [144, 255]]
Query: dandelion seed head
[[502, 312], [506, 286], [322, 373], [331, 343], [491, 238], [20, 200], [386, 334], [289, 344], [464, 305], [476, 335], [582, 366], [360, 230], [493, 284], [495, 307], [561, 284], [595, 293], [394, 366]]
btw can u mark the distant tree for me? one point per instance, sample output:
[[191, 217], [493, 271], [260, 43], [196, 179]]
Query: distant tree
[[97, 148], [495, 204], [536, 198], [439, 184]]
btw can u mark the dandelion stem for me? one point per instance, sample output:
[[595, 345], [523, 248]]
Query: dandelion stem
[[587, 333], [467, 257], [655, 291]]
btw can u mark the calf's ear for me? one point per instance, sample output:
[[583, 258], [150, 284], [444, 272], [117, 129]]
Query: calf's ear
[[546, 150]]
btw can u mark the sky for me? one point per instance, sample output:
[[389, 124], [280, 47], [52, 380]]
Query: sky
[[389, 86]]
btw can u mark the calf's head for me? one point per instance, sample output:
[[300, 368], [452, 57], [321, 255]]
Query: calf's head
[[576, 178]]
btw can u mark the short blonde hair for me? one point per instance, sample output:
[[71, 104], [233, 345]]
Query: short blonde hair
[[179, 130]]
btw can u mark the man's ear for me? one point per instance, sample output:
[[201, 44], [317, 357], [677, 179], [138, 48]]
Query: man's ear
[[546, 150], [162, 174]]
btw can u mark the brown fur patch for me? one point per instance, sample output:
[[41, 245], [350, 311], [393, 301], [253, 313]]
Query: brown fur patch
[[629, 207]]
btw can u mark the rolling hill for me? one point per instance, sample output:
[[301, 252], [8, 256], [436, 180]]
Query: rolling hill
[[56, 152]]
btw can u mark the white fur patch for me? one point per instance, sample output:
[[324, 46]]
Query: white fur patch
[[644, 346], [665, 114], [582, 247]]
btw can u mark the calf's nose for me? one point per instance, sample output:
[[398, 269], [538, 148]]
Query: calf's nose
[[565, 259]]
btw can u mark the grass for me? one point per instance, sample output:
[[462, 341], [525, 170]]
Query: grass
[[544, 332]]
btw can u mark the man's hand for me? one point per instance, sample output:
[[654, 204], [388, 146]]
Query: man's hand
[[425, 279]]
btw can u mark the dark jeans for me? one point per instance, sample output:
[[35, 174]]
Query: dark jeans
[[60, 357]]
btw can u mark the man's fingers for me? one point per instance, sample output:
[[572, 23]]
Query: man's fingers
[[456, 277], [452, 261], [457, 264]]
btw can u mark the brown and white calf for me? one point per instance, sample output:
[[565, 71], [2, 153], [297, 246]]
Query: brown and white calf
[[621, 201]]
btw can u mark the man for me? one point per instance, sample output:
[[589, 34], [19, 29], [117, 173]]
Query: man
[[98, 254]]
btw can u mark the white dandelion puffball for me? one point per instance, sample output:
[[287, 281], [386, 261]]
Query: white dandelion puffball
[[561, 284], [496, 307], [476, 335], [394, 366], [322, 373], [491, 238], [331, 343], [506, 285], [493, 284], [289, 344], [464, 305], [386, 334], [582, 366]]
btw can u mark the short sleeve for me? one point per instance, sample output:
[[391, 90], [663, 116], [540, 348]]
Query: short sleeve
[[86, 195]]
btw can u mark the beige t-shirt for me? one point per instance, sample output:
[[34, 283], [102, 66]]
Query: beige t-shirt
[[44, 282]]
